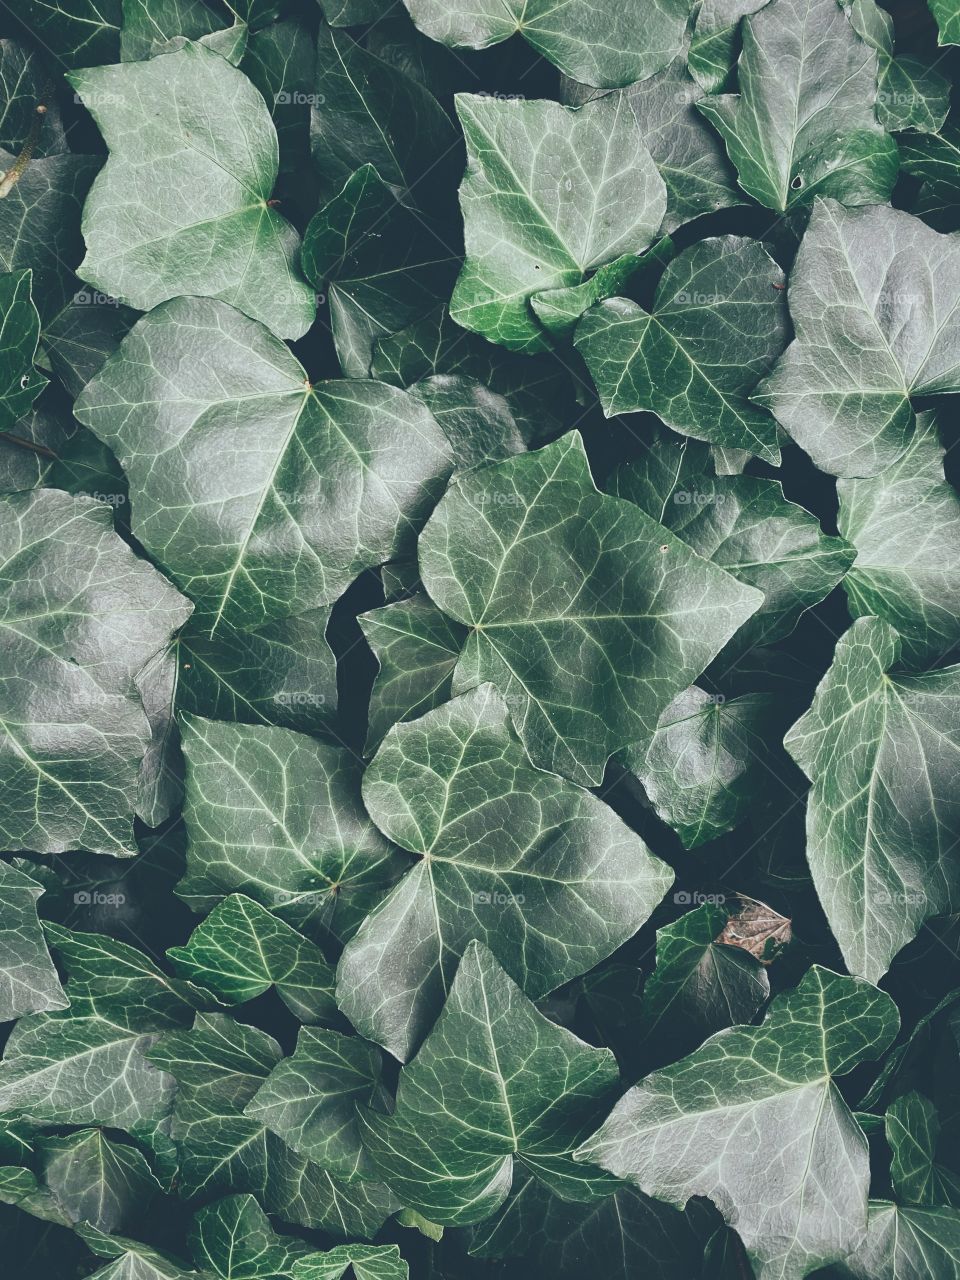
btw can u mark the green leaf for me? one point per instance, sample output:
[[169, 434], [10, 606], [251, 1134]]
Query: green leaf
[[371, 113], [744, 524], [717, 325], [605, 45], [881, 816], [905, 1242], [233, 1239], [96, 1179], [309, 1099], [689, 155], [905, 525], [281, 62], [219, 1066], [20, 382], [714, 41], [714, 1124], [79, 34], [706, 765], [380, 266], [947, 15], [699, 985], [619, 1236], [182, 203], [28, 979], [912, 1129], [82, 615], [912, 94], [550, 194], [478, 422], [417, 648], [20, 1187], [263, 497], [23, 79], [494, 1085], [162, 26], [541, 872], [935, 159], [282, 673], [809, 130], [873, 303], [319, 863], [369, 1262], [591, 622], [241, 950]]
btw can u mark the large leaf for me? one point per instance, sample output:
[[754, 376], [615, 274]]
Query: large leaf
[[233, 1239], [278, 817], [495, 1084], [905, 525], [810, 129], [310, 1099], [380, 266], [81, 616], [28, 978], [610, 45], [705, 767], [543, 873], [873, 298], [717, 325], [883, 818], [261, 495], [242, 950], [912, 1130], [181, 206], [742, 523], [368, 112], [550, 194], [78, 34], [96, 1179], [715, 1124], [588, 615]]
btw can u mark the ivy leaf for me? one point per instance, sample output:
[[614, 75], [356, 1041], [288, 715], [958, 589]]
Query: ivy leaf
[[550, 194], [621, 1235], [241, 950], [163, 26], [282, 673], [881, 816], [28, 979], [714, 44], [912, 94], [873, 303], [310, 1099], [247, 482], [714, 1123], [319, 863], [417, 648], [717, 325], [902, 572], [96, 1179], [23, 79], [164, 218], [745, 525], [781, 131], [543, 873], [495, 1085], [20, 382], [281, 62], [478, 422], [912, 1129], [706, 764], [380, 266], [78, 35], [219, 1066], [699, 985], [368, 1261], [233, 1239], [591, 622], [82, 614], [371, 113], [947, 15], [905, 1241]]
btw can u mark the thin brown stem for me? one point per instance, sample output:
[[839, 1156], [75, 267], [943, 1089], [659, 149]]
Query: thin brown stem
[[15, 172]]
